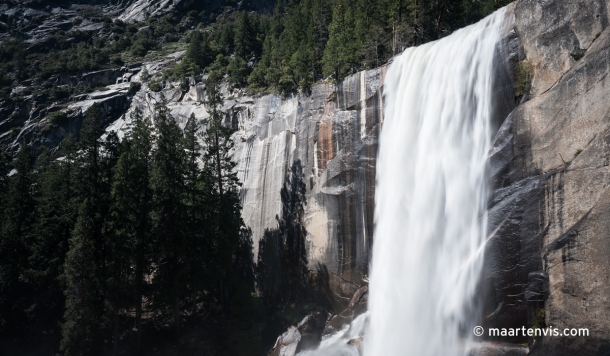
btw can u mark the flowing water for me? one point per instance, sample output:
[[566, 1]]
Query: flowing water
[[431, 194]]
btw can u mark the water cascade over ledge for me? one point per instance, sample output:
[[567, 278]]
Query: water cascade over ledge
[[430, 200], [431, 194]]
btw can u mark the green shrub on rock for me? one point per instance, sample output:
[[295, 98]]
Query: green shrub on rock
[[155, 85], [523, 80], [58, 118], [134, 87]]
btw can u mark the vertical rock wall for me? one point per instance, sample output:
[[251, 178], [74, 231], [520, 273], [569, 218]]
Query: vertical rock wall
[[551, 205], [332, 133]]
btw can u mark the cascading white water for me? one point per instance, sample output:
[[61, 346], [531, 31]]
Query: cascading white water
[[430, 200], [431, 194]]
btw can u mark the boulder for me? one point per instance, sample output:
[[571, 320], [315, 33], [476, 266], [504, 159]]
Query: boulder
[[311, 329], [497, 349], [286, 344]]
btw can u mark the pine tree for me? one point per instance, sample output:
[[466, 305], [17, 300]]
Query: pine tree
[[245, 37], [56, 212], [15, 294], [84, 289], [256, 79], [167, 181], [238, 71], [194, 51], [130, 222], [223, 183], [292, 230], [321, 14], [86, 262], [340, 55], [193, 177], [199, 54], [196, 252]]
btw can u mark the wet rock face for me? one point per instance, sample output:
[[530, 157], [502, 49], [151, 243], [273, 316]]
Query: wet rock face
[[549, 163]]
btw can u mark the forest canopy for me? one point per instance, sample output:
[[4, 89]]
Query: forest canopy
[[299, 43], [306, 41]]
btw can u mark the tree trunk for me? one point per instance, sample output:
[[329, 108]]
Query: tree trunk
[[139, 308], [116, 333], [177, 317], [415, 26], [439, 17], [139, 324], [394, 38], [218, 165]]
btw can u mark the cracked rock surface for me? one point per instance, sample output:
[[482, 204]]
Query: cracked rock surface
[[551, 203]]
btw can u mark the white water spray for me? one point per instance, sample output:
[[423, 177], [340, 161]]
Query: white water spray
[[431, 194]]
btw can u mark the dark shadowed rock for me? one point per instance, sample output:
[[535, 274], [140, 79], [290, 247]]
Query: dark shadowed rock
[[498, 349], [311, 329]]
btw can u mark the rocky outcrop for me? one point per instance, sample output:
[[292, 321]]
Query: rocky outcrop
[[555, 34], [286, 344], [38, 129], [356, 307], [141, 10]]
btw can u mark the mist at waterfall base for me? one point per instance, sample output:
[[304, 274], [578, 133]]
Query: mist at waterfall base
[[431, 194]]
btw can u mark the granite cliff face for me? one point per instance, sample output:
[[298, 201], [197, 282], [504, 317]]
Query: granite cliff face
[[333, 134], [550, 164]]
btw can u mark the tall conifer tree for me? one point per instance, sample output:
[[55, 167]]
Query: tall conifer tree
[[15, 232], [56, 211], [130, 221], [167, 182], [85, 267], [219, 169]]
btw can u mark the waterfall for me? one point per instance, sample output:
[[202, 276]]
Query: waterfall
[[431, 194], [430, 202]]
